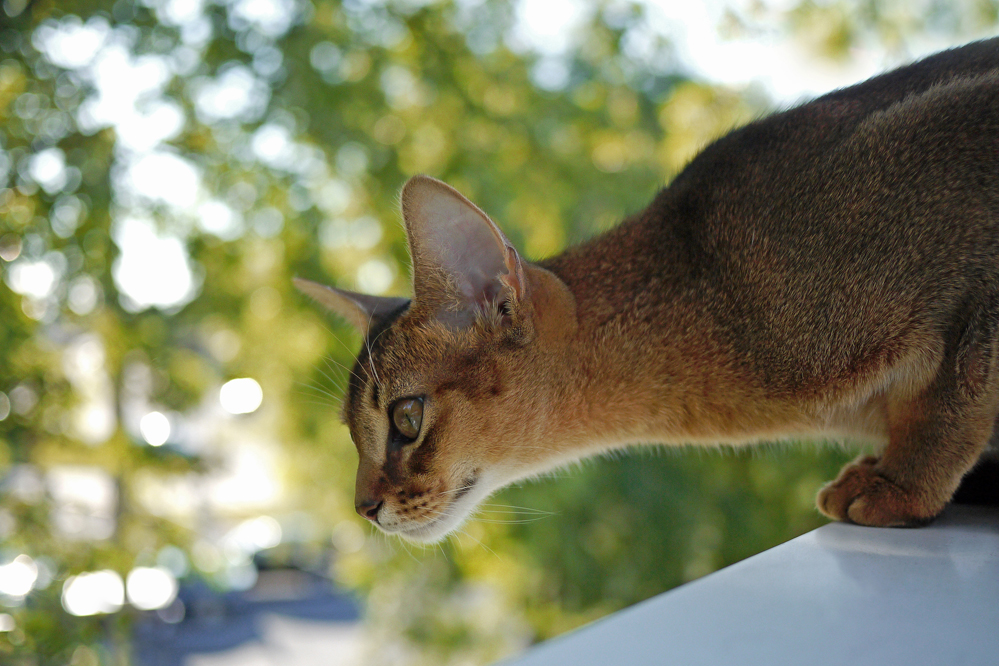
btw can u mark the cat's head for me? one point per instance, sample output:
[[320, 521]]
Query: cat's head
[[447, 399]]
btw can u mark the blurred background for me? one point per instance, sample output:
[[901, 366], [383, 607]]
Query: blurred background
[[175, 487]]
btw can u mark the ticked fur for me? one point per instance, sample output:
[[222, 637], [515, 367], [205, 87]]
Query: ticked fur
[[828, 271]]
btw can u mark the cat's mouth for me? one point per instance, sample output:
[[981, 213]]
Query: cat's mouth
[[447, 519]]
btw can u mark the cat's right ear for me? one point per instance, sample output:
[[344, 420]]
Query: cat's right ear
[[463, 265], [360, 310]]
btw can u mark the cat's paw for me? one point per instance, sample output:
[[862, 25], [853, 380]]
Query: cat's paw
[[862, 494]]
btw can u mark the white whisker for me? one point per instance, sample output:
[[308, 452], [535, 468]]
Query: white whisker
[[516, 509], [320, 389], [452, 491], [481, 544], [510, 521], [330, 378], [368, 345]]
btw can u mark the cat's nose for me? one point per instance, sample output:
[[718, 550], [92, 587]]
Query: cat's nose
[[369, 509]]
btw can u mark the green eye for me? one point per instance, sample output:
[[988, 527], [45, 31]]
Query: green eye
[[407, 417]]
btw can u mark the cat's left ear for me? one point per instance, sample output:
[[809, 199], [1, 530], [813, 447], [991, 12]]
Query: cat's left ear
[[462, 262], [360, 310]]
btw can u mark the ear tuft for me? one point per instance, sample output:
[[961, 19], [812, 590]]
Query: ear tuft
[[360, 310]]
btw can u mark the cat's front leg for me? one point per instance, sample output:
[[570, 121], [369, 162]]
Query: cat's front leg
[[935, 438], [916, 475], [864, 494]]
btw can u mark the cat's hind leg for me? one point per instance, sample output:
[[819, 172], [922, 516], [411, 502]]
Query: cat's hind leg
[[934, 438]]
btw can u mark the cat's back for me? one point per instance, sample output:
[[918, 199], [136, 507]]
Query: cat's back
[[832, 236]]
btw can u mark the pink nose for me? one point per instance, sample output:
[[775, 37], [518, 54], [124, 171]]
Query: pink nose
[[369, 509]]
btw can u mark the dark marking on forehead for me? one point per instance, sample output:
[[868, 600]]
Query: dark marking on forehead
[[362, 364], [474, 375]]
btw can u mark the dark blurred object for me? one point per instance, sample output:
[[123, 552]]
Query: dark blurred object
[[287, 609], [980, 487]]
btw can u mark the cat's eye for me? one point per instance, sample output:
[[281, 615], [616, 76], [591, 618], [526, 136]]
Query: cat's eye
[[407, 417]]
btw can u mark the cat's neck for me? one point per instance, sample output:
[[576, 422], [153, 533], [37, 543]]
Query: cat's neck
[[645, 361]]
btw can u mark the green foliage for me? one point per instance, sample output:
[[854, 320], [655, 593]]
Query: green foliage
[[282, 144]]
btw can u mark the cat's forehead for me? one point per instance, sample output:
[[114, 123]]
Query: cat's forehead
[[404, 357], [409, 345]]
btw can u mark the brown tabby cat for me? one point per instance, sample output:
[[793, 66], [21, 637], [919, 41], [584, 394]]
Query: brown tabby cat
[[829, 271]]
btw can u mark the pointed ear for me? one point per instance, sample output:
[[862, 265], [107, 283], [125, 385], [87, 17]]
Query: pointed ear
[[462, 262], [360, 310]]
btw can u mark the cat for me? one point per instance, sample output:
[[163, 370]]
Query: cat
[[829, 271]]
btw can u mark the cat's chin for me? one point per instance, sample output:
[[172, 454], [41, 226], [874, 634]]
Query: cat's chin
[[447, 521], [432, 532]]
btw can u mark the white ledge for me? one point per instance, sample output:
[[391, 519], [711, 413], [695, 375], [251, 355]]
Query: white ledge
[[841, 594]]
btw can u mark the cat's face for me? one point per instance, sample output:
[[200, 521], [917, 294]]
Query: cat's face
[[429, 413], [439, 402]]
